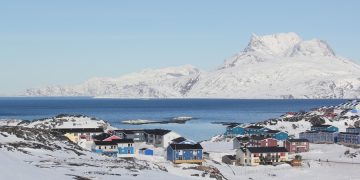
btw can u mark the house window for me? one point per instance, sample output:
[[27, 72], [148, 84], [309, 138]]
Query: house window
[[180, 158], [99, 147], [195, 157], [128, 152]]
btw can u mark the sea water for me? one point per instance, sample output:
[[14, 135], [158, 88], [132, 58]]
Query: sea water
[[204, 111]]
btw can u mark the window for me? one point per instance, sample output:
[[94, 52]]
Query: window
[[195, 157], [128, 152], [180, 158], [99, 147]]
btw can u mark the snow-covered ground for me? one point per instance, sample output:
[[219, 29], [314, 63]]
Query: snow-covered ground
[[334, 164], [30, 147]]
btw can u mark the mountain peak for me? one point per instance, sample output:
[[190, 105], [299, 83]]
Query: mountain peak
[[313, 47], [276, 44]]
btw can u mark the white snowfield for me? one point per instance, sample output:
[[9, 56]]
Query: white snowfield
[[271, 66]]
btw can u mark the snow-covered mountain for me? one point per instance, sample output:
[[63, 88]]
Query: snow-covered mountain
[[271, 66]]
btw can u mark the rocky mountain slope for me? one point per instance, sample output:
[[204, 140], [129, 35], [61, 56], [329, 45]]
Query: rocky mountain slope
[[271, 66]]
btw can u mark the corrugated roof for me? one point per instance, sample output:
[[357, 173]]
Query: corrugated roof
[[185, 146], [298, 140], [104, 143], [266, 149], [122, 141], [78, 130]]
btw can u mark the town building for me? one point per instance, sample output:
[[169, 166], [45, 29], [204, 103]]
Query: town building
[[146, 151], [278, 135], [319, 136], [255, 130], [324, 127], [107, 148], [75, 134], [296, 145], [353, 130], [253, 156], [160, 137], [262, 141], [229, 159], [137, 135], [239, 142], [349, 138], [234, 130], [185, 153], [125, 147]]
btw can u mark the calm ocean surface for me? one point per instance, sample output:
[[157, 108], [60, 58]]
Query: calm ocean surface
[[116, 110]]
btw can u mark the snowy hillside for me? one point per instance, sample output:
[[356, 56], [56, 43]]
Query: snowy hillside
[[60, 121], [271, 66]]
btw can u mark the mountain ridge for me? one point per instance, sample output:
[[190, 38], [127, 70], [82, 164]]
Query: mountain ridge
[[274, 66]]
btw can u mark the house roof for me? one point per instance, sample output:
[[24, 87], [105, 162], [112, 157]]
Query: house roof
[[353, 128], [322, 125], [101, 136], [160, 132], [186, 146], [78, 130], [104, 143], [315, 132], [179, 140], [255, 127], [129, 131], [266, 149], [254, 137], [122, 141], [272, 131], [298, 140], [245, 138], [231, 157], [349, 133]]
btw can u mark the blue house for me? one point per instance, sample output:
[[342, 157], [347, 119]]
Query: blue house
[[278, 135], [125, 147], [353, 130], [234, 130], [349, 138], [146, 151], [320, 136], [185, 153], [107, 148], [328, 128], [255, 130]]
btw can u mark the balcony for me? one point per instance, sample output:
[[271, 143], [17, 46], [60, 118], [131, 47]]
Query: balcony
[[192, 161]]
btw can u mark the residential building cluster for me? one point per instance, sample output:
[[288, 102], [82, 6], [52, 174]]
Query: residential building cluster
[[258, 145], [122, 143]]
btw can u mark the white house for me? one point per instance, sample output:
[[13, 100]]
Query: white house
[[160, 137], [253, 156]]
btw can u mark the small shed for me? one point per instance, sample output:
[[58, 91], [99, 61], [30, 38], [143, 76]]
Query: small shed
[[146, 151], [229, 159]]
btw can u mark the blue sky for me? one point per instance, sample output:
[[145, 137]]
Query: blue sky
[[69, 41]]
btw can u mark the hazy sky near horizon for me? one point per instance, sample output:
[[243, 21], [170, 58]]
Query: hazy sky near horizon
[[69, 41]]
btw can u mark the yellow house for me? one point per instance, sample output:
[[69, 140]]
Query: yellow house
[[75, 134], [253, 156]]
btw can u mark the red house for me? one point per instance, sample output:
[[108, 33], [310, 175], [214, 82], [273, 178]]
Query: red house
[[262, 141], [297, 145]]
